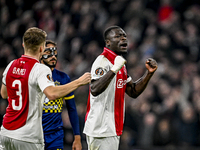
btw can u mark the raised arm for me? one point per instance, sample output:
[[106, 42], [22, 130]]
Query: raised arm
[[99, 85], [59, 91], [134, 89]]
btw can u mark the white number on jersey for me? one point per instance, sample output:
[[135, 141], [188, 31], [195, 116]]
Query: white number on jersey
[[18, 82]]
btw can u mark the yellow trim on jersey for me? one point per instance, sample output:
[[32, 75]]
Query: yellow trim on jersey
[[69, 97]]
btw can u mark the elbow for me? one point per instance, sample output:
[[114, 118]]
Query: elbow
[[52, 96], [94, 93], [96, 90], [51, 93], [4, 97], [134, 96]]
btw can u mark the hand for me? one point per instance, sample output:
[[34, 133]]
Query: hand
[[77, 143], [118, 64], [151, 65], [85, 78]]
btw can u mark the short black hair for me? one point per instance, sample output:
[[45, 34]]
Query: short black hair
[[50, 42], [107, 31]]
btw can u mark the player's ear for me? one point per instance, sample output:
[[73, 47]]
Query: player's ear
[[22, 44], [107, 42], [41, 49]]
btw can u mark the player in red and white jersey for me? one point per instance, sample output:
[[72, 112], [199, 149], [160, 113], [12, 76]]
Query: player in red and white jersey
[[25, 79], [110, 81], [24, 82]]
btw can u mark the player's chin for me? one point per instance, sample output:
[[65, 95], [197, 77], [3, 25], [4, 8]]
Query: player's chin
[[123, 48], [123, 51]]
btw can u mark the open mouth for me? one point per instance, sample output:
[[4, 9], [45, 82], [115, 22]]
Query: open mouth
[[124, 45]]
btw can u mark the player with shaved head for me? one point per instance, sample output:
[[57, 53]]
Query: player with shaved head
[[110, 81]]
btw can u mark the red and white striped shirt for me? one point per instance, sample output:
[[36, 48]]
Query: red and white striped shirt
[[105, 112], [25, 79]]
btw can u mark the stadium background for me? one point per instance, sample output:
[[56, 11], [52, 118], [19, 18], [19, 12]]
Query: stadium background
[[166, 115]]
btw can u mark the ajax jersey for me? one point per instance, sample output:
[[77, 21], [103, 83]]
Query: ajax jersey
[[105, 112], [25, 79]]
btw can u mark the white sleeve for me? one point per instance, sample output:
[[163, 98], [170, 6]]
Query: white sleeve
[[128, 79], [44, 77], [5, 73], [100, 67]]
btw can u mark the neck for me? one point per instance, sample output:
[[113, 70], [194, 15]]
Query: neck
[[37, 56], [52, 69]]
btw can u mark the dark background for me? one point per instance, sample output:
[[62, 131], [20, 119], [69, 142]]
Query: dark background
[[166, 115]]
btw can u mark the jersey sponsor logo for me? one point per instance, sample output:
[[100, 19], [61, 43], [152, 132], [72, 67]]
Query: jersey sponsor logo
[[19, 71], [53, 106], [121, 83], [99, 71]]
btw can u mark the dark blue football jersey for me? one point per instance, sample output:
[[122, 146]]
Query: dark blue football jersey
[[52, 109]]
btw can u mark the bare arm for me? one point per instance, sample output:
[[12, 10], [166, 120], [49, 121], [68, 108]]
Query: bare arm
[[98, 86], [4, 93], [59, 91], [134, 89]]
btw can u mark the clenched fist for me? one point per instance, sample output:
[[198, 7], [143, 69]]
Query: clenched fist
[[151, 65]]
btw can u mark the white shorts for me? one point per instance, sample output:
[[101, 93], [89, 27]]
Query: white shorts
[[103, 143], [11, 144]]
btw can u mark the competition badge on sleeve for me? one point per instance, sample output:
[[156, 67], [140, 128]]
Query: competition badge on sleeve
[[99, 71]]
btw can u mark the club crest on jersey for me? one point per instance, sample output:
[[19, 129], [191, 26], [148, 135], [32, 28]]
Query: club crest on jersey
[[99, 71], [49, 77], [57, 83]]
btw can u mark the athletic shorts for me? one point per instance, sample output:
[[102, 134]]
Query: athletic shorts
[[12, 144], [54, 141], [103, 143]]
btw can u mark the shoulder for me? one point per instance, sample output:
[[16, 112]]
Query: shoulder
[[100, 60], [8, 66], [6, 71], [100, 57], [41, 68], [61, 73]]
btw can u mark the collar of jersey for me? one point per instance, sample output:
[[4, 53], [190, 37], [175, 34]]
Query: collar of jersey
[[110, 55], [26, 56]]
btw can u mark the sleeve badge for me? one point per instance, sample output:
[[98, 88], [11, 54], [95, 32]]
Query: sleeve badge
[[99, 71], [49, 77]]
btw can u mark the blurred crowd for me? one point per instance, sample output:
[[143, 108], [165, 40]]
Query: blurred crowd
[[167, 114]]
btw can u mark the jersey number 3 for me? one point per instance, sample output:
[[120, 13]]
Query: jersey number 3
[[19, 93]]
